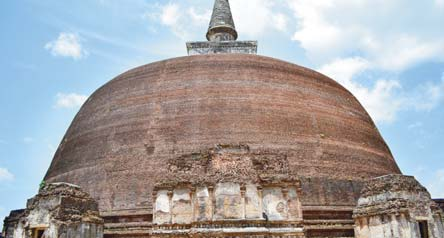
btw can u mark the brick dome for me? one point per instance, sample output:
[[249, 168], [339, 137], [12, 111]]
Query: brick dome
[[126, 135]]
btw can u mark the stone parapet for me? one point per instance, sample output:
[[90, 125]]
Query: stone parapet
[[11, 222], [397, 206], [60, 210]]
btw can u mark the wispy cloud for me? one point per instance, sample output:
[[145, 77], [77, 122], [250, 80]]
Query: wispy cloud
[[264, 17], [385, 98], [186, 20], [181, 20], [69, 100], [28, 140], [5, 175], [325, 33], [428, 96], [67, 45], [347, 45], [415, 125], [380, 100]]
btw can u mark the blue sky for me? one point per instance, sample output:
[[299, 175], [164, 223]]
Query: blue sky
[[54, 54]]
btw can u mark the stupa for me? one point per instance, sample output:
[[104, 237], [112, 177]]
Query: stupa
[[227, 143]]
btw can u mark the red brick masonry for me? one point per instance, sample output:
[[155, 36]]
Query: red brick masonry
[[124, 136]]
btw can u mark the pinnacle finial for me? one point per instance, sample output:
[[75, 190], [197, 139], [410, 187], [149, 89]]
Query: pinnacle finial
[[222, 25]]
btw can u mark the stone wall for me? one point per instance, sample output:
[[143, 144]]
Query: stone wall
[[11, 221], [222, 208], [440, 203], [60, 210], [396, 206]]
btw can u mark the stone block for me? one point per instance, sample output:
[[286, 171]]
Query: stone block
[[182, 207], [275, 206], [203, 205], [229, 203], [162, 210], [222, 47], [253, 203]]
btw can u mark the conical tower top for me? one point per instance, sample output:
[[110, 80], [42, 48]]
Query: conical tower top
[[222, 25], [222, 35]]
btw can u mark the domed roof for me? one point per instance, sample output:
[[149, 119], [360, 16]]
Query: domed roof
[[129, 131]]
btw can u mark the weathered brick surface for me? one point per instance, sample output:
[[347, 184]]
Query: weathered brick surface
[[124, 136]]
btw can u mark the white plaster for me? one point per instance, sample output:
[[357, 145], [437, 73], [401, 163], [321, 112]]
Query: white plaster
[[274, 204], [232, 189], [162, 201], [181, 194], [202, 192]]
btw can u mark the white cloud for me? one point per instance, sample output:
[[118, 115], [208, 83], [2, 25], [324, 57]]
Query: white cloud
[[429, 95], [260, 19], [182, 21], [67, 45], [440, 3], [186, 21], [170, 14], [346, 45], [199, 18], [70, 100], [5, 175], [380, 101], [386, 97], [384, 36], [405, 52]]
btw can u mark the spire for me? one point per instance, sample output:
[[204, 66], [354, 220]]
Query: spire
[[222, 35], [222, 25]]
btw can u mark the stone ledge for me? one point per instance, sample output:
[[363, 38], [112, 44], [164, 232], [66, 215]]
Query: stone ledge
[[221, 47]]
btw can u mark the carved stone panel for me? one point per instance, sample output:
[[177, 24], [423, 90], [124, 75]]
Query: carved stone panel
[[162, 208], [203, 205], [253, 205], [182, 210], [275, 206], [228, 201]]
